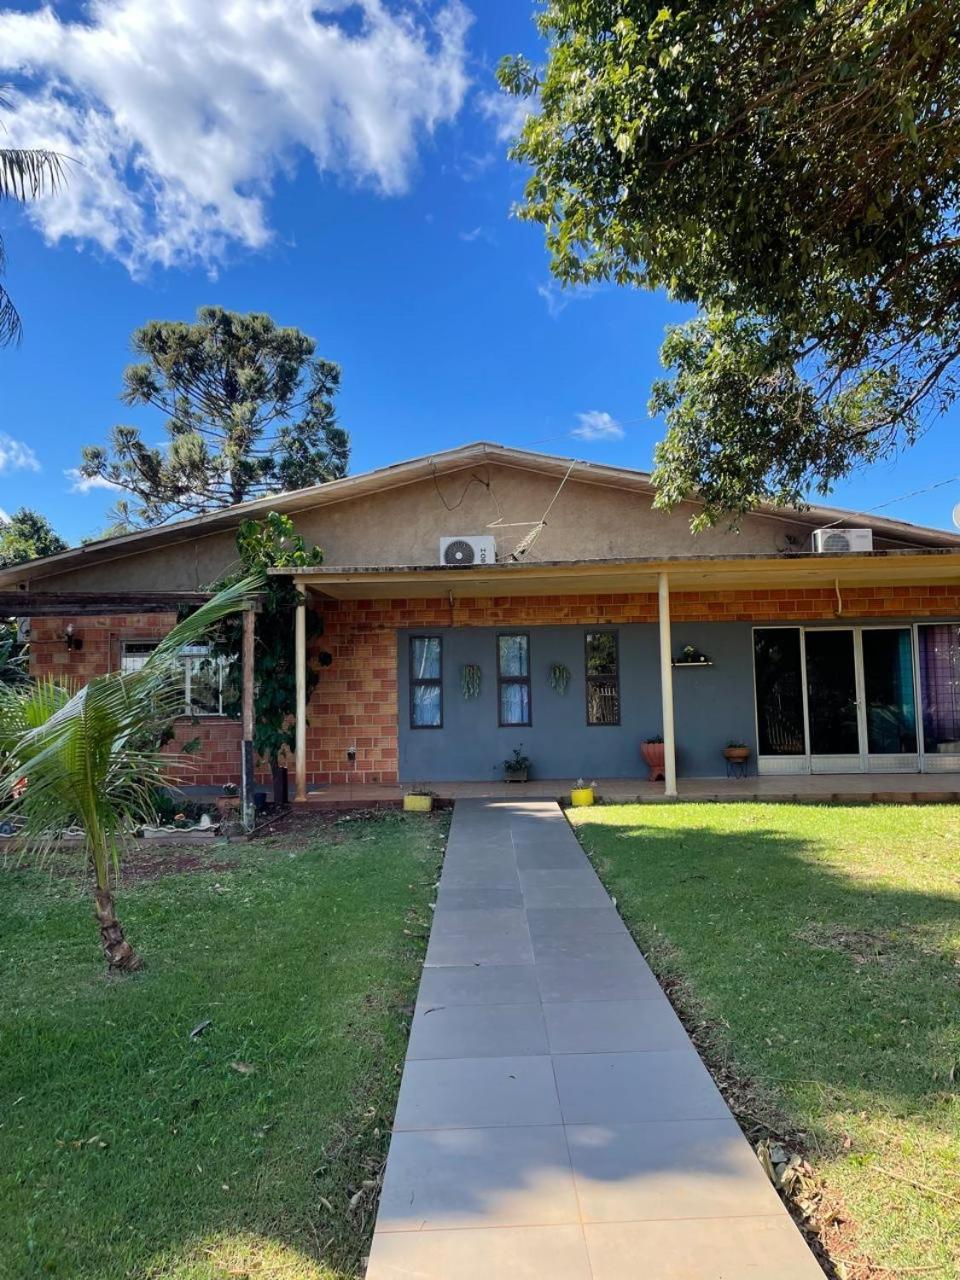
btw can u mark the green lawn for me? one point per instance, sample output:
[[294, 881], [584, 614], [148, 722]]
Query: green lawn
[[822, 948], [129, 1150]]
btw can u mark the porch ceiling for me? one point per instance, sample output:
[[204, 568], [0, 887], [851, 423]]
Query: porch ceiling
[[707, 573]]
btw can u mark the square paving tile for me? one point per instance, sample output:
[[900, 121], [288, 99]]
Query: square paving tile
[[668, 1169], [496, 1253], [574, 980], [501, 922], [479, 897], [608, 947], [484, 1031], [574, 922], [549, 856], [478, 948], [610, 1088], [452, 1093], [562, 888], [478, 985], [706, 1249], [613, 1026], [477, 1178]]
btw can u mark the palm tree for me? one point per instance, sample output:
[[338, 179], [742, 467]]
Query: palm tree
[[24, 175], [90, 759]]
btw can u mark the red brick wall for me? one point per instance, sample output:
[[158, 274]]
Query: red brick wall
[[355, 701], [218, 758]]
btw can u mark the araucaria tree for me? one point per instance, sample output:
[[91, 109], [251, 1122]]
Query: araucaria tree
[[793, 169], [248, 411], [92, 758]]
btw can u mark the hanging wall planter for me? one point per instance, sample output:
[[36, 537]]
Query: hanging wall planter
[[470, 679], [559, 678]]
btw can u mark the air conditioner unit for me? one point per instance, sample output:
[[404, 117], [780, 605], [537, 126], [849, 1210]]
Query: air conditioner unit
[[467, 549], [833, 539]]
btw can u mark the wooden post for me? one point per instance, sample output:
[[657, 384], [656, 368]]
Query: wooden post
[[666, 688], [247, 672], [301, 664]]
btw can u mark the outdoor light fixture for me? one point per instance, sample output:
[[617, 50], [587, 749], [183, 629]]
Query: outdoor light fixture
[[74, 642]]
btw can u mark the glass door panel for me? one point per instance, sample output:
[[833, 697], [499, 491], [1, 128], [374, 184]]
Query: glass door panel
[[940, 690], [832, 693], [891, 709], [778, 671]]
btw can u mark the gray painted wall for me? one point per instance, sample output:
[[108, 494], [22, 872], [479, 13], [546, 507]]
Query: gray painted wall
[[711, 706]]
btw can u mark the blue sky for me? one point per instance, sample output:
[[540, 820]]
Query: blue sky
[[396, 252]]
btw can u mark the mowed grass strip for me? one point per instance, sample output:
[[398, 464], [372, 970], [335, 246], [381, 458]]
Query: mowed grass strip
[[822, 944], [129, 1149]]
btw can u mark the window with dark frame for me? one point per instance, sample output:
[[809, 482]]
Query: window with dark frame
[[513, 679], [602, 677], [426, 682]]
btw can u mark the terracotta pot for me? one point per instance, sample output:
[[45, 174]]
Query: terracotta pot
[[737, 754], [652, 753]]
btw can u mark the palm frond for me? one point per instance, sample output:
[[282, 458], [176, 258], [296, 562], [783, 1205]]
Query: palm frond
[[28, 173], [91, 757], [11, 328]]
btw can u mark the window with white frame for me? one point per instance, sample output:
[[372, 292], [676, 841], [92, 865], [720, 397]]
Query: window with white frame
[[203, 674]]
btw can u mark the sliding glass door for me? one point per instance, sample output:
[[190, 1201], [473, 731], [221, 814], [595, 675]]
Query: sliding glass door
[[938, 660], [843, 699]]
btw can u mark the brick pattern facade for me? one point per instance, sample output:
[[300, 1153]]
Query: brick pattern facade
[[217, 759], [355, 701]]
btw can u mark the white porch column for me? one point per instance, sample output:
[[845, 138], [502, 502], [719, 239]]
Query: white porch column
[[666, 687], [300, 635]]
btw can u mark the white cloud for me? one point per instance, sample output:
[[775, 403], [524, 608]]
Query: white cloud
[[181, 115], [80, 483], [16, 456], [596, 425], [506, 112]]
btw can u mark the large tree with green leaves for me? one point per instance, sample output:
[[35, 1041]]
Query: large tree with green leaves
[[247, 410], [794, 170], [25, 174], [27, 535]]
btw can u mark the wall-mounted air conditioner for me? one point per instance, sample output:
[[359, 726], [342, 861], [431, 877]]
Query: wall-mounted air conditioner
[[833, 539], [466, 549]]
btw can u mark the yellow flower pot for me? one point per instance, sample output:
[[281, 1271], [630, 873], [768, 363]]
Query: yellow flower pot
[[581, 796], [417, 804]]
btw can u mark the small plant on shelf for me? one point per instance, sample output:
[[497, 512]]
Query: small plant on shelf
[[516, 768], [691, 656], [470, 681], [736, 751], [559, 677]]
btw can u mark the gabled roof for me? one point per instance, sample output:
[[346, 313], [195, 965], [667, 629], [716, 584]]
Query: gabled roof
[[423, 468]]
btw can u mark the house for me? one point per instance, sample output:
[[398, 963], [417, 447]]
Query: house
[[826, 640]]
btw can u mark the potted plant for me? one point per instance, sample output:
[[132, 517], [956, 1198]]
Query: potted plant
[[418, 800], [516, 767], [582, 795], [736, 752], [652, 751]]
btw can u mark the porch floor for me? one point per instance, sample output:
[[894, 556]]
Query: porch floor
[[863, 788]]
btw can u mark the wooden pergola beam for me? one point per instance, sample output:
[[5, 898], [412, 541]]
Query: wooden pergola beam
[[39, 604]]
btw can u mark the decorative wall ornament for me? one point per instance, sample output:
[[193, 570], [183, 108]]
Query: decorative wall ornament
[[559, 677], [470, 680]]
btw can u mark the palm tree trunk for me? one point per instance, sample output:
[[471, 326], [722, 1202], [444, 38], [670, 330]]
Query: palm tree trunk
[[119, 953]]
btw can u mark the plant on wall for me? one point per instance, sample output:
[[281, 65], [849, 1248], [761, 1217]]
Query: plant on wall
[[559, 677], [470, 677]]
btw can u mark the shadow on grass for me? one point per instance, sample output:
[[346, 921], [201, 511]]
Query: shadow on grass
[[833, 980]]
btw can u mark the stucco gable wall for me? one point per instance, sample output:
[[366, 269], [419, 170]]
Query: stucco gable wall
[[403, 526]]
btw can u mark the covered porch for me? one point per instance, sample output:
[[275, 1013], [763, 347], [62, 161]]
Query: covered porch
[[843, 594]]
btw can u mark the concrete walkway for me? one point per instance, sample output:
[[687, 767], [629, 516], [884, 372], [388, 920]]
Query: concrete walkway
[[554, 1120]]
